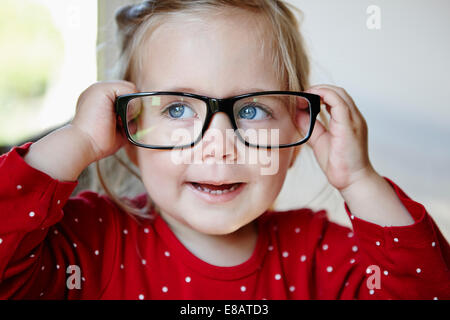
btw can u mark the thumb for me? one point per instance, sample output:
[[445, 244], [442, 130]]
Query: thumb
[[303, 120], [320, 143], [319, 140]]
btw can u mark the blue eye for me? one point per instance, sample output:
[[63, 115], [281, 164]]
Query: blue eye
[[180, 111], [252, 112]]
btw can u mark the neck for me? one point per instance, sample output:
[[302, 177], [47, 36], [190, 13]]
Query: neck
[[219, 250]]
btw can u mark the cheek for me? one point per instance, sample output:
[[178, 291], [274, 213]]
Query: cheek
[[159, 173], [273, 163], [281, 159], [266, 187]]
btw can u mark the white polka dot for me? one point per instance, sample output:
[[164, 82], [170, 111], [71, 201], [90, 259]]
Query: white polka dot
[[325, 247], [31, 255], [75, 245], [347, 283], [285, 254], [96, 252], [303, 258], [350, 234], [270, 248], [277, 276], [32, 214], [146, 230], [395, 239], [76, 219], [141, 297], [352, 217], [58, 202], [55, 231], [143, 261], [83, 278], [368, 270], [291, 288], [433, 244], [329, 268], [243, 288], [297, 230], [125, 231], [19, 187], [378, 243], [167, 254], [385, 272], [371, 291], [164, 289], [57, 266], [187, 279], [121, 266], [352, 261], [42, 268], [100, 219], [1, 240], [435, 298], [41, 294], [355, 248], [418, 270]]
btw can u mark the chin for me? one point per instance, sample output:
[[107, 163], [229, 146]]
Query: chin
[[216, 225]]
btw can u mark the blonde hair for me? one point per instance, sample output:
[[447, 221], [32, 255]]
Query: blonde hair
[[136, 21]]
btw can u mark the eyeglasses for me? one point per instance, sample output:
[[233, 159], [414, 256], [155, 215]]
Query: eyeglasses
[[173, 120]]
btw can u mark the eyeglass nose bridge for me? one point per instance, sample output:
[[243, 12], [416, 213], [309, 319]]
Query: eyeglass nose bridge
[[220, 105], [214, 105]]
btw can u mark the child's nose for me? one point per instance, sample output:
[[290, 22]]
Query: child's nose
[[219, 139]]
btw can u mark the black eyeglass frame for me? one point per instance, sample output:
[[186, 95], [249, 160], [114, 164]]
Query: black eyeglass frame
[[215, 105]]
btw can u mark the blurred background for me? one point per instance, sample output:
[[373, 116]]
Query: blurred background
[[390, 56]]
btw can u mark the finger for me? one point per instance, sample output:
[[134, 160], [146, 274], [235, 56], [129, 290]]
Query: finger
[[340, 111], [340, 91], [319, 140], [115, 89], [355, 114]]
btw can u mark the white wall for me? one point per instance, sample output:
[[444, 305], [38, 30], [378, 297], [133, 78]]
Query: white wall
[[398, 77]]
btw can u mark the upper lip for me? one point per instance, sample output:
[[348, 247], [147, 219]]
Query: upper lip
[[215, 183]]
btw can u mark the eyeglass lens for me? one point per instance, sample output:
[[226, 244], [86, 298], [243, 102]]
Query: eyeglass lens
[[170, 120]]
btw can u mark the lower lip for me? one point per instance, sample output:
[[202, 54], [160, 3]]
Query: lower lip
[[217, 198]]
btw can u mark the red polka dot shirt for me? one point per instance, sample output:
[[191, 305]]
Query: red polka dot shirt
[[53, 246]]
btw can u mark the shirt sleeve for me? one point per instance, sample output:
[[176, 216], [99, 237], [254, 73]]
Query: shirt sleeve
[[375, 262], [51, 246]]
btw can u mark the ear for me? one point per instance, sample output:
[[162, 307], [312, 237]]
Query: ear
[[131, 151]]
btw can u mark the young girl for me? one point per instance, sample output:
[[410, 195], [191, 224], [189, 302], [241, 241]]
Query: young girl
[[211, 232]]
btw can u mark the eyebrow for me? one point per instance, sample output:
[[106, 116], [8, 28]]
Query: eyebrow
[[233, 93]]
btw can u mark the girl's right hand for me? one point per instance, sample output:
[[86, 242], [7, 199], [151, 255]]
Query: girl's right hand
[[95, 118]]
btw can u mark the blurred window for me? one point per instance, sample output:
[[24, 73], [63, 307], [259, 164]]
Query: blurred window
[[47, 58]]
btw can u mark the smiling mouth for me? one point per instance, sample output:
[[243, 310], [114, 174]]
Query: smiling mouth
[[216, 189]]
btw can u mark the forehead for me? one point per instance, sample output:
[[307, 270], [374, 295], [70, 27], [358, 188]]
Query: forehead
[[226, 49]]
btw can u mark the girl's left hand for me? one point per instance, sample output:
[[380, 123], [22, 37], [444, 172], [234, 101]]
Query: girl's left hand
[[341, 151]]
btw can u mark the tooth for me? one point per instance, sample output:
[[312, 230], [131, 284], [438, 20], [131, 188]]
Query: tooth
[[205, 189]]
